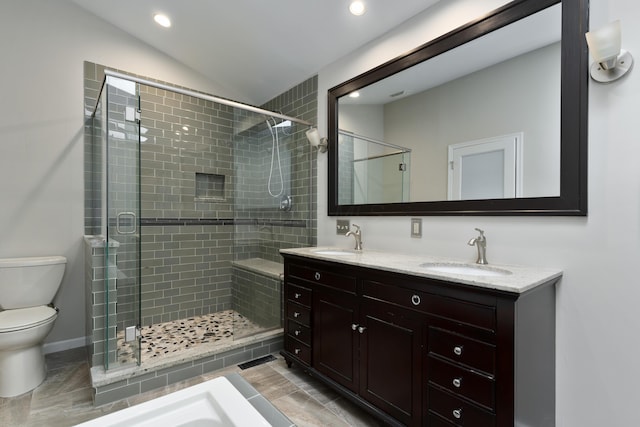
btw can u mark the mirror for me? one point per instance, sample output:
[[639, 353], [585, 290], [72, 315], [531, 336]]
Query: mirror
[[489, 119]]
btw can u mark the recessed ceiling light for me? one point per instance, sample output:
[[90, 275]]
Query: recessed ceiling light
[[162, 19], [357, 8], [354, 94]]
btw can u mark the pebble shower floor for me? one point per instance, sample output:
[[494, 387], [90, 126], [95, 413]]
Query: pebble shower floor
[[187, 334]]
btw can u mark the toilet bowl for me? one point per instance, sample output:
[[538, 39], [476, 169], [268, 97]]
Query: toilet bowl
[[27, 287]]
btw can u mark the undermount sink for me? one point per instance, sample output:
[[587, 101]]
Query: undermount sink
[[465, 269], [333, 252]]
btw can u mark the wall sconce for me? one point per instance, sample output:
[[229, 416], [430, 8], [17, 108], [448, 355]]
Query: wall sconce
[[314, 139], [611, 62]]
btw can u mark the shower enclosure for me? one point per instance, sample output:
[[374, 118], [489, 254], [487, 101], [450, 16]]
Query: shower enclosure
[[193, 196]]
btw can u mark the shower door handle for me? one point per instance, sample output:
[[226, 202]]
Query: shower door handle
[[126, 223]]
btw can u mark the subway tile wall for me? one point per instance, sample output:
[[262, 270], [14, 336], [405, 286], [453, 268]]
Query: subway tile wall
[[185, 269]]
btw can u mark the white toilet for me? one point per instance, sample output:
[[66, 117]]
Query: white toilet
[[27, 287]]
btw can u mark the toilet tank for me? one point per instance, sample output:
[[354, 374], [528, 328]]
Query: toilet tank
[[30, 281]]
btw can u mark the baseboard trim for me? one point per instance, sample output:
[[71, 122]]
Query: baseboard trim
[[54, 347]]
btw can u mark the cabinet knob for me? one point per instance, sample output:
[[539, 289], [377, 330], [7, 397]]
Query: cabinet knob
[[297, 295], [296, 314], [297, 351], [457, 382], [361, 329], [415, 300], [354, 326], [317, 276], [457, 350], [297, 332], [457, 413]]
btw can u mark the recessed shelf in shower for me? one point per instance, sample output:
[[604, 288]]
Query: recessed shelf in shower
[[210, 187]]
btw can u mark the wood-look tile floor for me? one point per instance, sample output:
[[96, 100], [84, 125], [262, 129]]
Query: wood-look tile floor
[[64, 399]]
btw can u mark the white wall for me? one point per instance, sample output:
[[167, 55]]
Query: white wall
[[598, 326], [43, 45], [505, 98]]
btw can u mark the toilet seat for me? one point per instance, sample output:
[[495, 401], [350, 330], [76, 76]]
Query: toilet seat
[[25, 318]]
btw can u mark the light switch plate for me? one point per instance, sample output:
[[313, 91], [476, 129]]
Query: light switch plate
[[416, 227], [342, 226]]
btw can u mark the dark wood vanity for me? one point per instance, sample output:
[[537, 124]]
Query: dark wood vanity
[[419, 351]]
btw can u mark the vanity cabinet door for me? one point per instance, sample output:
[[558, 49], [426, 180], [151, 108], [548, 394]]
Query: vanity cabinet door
[[335, 335], [391, 354]]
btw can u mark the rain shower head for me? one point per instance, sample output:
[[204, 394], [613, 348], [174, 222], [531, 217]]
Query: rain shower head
[[283, 124], [314, 139]]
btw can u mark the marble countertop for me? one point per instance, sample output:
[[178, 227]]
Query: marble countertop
[[519, 279]]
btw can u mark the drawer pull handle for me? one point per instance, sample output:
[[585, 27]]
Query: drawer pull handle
[[354, 326], [317, 276], [297, 295], [361, 329], [457, 382], [296, 314], [297, 332], [457, 413], [297, 351], [457, 350], [415, 299]]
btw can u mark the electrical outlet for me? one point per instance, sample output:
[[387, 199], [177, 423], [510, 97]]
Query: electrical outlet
[[416, 227], [342, 226]]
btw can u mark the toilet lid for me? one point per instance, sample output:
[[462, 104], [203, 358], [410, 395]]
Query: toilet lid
[[23, 318]]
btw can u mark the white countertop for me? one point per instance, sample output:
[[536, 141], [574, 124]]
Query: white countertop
[[520, 279]]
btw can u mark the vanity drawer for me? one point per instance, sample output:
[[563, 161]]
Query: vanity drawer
[[465, 312], [414, 300], [299, 350], [299, 332], [299, 313], [469, 313], [323, 276], [461, 349], [458, 411], [477, 387], [299, 294]]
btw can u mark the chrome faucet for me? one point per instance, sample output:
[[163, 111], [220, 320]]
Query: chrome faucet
[[356, 235], [481, 243]]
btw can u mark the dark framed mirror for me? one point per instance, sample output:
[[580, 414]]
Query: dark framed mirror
[[488, 119]]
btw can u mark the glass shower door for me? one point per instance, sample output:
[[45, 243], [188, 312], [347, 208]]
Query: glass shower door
[[122, 205]]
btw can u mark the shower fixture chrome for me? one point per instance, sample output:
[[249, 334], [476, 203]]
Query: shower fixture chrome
[[200, 95], [286, 203], [314, 139], [275, 151]]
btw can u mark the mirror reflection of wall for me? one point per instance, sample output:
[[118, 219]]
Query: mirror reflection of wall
[[522, 94], [519, 94]]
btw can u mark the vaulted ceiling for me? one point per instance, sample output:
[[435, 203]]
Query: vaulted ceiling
[[259, 48]]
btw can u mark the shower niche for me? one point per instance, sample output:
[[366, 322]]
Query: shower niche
[[198, 270], [209, 187]]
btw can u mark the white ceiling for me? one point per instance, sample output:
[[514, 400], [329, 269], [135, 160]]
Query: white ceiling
[[259, 48]]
